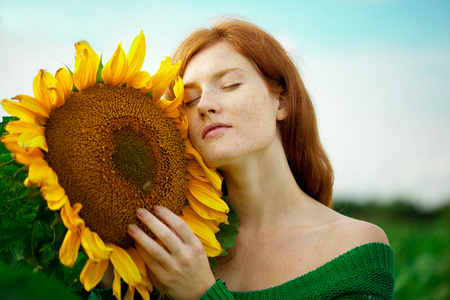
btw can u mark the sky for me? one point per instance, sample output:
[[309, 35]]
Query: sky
[[378, 72]]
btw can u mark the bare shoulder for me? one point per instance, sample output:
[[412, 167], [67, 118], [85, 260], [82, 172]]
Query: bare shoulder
[[350, 233]]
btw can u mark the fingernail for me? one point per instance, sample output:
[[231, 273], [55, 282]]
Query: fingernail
[[157, 209], [132, 228], [140, 212]]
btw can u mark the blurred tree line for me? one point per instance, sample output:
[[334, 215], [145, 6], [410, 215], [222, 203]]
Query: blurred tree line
[[419, 238]]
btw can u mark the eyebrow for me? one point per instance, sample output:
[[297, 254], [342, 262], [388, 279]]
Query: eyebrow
[[216, 75]]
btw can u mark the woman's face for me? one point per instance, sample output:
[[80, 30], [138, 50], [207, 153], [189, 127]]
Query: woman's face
[[231, 112]]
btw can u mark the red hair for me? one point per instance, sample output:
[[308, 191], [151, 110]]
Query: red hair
[[307, 159]]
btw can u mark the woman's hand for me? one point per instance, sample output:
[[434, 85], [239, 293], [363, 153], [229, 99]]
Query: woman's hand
[[177, 259]]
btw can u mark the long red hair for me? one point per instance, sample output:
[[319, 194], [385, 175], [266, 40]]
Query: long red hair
[[307, 159]]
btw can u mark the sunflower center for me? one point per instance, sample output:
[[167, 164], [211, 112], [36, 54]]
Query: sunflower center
[[132, 158], [114, 151]]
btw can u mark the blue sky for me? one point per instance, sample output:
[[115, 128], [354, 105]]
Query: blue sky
[[378, 72]]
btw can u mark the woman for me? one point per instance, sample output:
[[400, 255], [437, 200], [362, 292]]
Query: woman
[[251, 118]]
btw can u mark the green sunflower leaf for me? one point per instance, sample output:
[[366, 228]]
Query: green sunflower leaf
[[22, 283], [227, 233], [99, 78]]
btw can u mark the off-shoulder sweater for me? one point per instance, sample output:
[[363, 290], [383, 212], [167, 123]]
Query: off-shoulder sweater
[[365, 272]]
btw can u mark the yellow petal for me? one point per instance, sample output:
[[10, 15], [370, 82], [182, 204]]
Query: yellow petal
[[117, 285], [191, 153], [189, 212], [41, 174], [34, 105], [92, 273], [71, 219], [130, 293], [124, 264], [53, 192], [22, 112], [170, 108], [26, 158], [86, 66], [41, 84], [65, 80], [33, 138], [113, 72], [68, 252], [142, 289], [10, 142], [21, 155], [205, 211], [93, 245], [57, 204], [135, 56], [205, 235], [206, 194], [15, 127], [140, 81], [164, 77]]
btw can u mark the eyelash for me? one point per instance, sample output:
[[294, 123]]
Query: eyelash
[[228, 87]]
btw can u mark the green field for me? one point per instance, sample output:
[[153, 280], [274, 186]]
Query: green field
[[421, 244]]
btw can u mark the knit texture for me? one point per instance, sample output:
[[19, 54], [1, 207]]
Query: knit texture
[[365, 272]]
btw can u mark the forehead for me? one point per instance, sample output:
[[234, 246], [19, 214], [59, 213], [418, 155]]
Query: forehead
[[213, 59]]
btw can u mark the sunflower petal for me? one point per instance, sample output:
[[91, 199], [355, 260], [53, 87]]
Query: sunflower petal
[[136, 56], [205, 235], [65, 80], [10, 142], [26, 158], [86, 65], [41, 174], [140, 81], [130, 293], [164, 77], [71, 219], [41, 84], [207, 195], [68, 252], [33, 138], [189, 212], [124, 264], [92, 273], [34, 105], [93, 245], [57, 204], [191, 153], [15, 127], [170, 108], [114, 71], [53, 193], [205, 211], [117, 285], [22, 112]]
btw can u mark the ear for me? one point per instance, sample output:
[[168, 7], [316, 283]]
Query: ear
[[282, 111]]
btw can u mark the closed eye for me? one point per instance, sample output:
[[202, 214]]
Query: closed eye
[[190, 102], [231, 86]]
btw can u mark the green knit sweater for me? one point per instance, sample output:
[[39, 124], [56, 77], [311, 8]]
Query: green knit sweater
[[365, 272]]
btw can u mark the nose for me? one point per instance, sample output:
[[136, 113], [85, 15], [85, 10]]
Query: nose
[[208, 105]]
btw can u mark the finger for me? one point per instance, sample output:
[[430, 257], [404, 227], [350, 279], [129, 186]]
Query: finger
[[151, 247], [177, 224], [163, 233], [150, 262], [155, 282]]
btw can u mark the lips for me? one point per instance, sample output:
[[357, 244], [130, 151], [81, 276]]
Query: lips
[[214, 128]]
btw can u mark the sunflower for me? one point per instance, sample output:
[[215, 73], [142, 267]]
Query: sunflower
[[101, 142]]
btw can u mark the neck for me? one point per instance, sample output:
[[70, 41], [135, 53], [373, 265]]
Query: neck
[[262, 188]]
